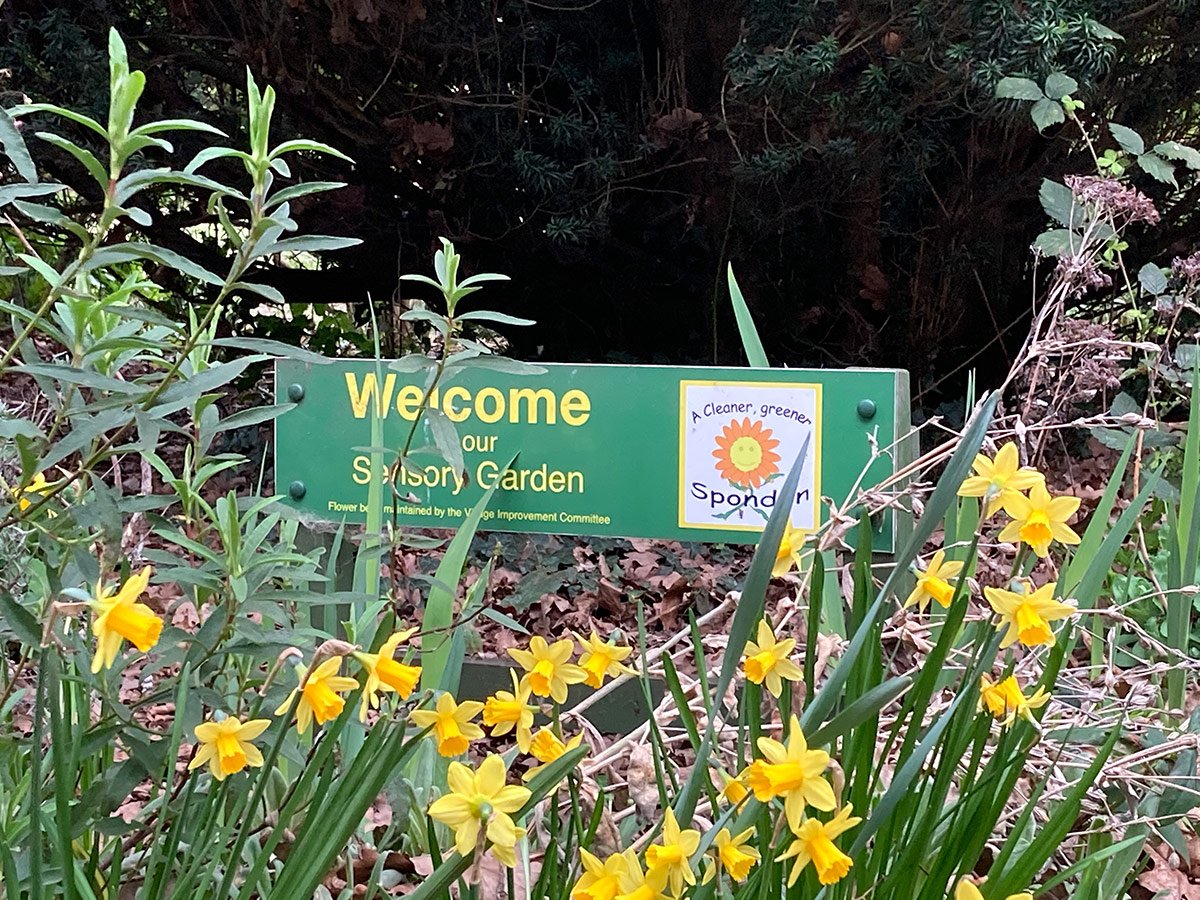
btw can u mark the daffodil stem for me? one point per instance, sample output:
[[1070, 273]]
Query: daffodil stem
[[576, 810], [752, 701], [785, 708], [260, 786], [658, 752]]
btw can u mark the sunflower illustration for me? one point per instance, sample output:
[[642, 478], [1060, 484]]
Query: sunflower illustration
[[745, 454]]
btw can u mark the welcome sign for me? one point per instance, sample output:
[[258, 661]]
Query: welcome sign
[[689, 453]]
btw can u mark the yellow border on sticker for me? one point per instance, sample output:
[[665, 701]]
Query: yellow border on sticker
[[815, 455]]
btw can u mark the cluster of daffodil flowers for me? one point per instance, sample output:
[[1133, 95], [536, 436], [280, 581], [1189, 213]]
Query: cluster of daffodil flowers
[[225, 743], [792, 773], [785, 774], [480, 804], [1024, 612]]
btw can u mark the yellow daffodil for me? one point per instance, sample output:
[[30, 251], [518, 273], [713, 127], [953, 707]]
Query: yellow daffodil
[[673, 855], [452, 725], [731, 855], [787, 556], [814, 843], [638, 885], [546, 747], [504, 711], [1027, 615], [934, 582], [996, 480], [385, 674], [548, 667], [792, 772], [320, 694], [767, 662], [600, 880], [117, 617], [226, 746], [599, 659], [967, 891], [29, 494], [1005, 700], [1039, 519], [733, 790], [480, 800]]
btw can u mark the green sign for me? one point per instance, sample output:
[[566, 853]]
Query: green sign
[[623, 451]]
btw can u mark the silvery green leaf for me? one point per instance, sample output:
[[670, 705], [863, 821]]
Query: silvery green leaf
[[445, 437], [484, 315], [263, 290], [314, 146], [424, 279], [1060, 204], [275, 348], [210, 153], [83, 155], [15, 149], [130, 251], [1059, 85], [483, 276], [425, 315], [1180, 152], [1058, 242], [1158, 168], [39, 212], [506, 365], [1102, 31], [1018, 89], [1046, 113], [300, 190], [11, 192], [311, 243], [176, 125], [1151, 278], [138, 215], [10, 428], [80, 118], [1130, 140], [414, 362]]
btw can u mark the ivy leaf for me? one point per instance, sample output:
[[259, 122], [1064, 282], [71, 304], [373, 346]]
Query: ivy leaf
[[1060, 85], [1130, 140], [1151, 278], [1046, 113], [1018, 89], [1157, 167], [1180, 152]]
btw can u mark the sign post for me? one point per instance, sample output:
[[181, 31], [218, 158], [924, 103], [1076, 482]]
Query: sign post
[[686, 453]]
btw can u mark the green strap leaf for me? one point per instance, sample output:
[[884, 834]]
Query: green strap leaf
[[439, 608], [755, 353]]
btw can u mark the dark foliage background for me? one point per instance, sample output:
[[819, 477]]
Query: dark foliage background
[[611, 155]]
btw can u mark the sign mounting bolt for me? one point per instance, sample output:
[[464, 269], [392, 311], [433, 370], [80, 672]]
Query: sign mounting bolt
[[295, 392], [297, 490], [866, 409]]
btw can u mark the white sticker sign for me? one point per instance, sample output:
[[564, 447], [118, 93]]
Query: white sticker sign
[[737, 441]]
